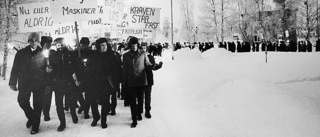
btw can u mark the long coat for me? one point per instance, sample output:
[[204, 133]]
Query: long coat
[[118, 67], [102, 70], [83, 74], [134, 63], [64, 65], [28, 70]]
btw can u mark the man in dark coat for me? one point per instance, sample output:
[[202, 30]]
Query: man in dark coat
[[102, 70], [46, 45], [134, 76], [318, 45], [117, 78], [239, 48], [63, 64], [148, 88], [83, 76], [309, 46], [29, 71]]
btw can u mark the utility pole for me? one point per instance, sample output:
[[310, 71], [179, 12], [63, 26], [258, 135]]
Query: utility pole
[[222, 20], [195, 33], [318, 19], [172, 30]]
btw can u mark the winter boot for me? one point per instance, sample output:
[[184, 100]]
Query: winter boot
[[86, 116], [62, 119], [74, 115], [29, 123], [46, 118], [61, 127], [34, 130], [139, 118], [80, 110], [113, 112], [148, 115], [134, 124], [94, 122]]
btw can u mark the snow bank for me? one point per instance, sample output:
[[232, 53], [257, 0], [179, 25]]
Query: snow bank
[[214, 53], [187, 53], [239, 94], [254, 108]]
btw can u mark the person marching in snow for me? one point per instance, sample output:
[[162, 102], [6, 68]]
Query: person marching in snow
[[134, 76], [83, 75], [29, 72], [102, 74], [117, 78], [46, 45], [63, 64], [148, 88]]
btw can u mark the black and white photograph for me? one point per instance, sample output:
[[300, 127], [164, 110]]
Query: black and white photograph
[[160, 68]]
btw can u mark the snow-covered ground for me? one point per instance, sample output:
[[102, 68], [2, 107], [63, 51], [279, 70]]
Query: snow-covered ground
[[216, 93]]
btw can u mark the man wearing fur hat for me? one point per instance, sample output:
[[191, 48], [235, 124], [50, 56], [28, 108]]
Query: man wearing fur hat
[[28, 71], [46, 46], [83, 76], [63, 65], [135, 78]]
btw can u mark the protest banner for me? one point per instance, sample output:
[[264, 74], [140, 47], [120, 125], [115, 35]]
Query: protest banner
[[126, 32], [72, 11], [147, 33], [144, 17], [34, 17], [79, 1], [112, 11], [64, 29]]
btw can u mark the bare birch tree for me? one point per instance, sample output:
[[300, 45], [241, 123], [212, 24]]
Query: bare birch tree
[[166, 27], [187, 20], [216, 17], [307, 18], [209, 21], [6, 40]]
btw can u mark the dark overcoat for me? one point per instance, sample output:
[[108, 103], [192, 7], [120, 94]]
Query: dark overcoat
[[134, 63], [29, 69]]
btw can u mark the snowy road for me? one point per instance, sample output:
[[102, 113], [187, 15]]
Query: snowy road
[[213, 94], [172, 116]]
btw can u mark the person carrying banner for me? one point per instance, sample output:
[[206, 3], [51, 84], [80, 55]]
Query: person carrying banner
[[63, 63], [83, 76], [46, 45]]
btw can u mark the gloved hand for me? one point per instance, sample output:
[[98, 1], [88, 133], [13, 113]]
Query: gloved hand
[[13, 87], [49, 69], [78, 83]]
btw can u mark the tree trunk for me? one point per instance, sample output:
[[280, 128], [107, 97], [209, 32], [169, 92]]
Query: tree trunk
[[215, 18], [308, 22], [5, 57], [284, 28]]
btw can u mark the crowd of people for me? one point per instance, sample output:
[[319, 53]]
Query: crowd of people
[[277, 46], [90, 77]]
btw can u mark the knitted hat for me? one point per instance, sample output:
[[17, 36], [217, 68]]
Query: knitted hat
[[34, 36]]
